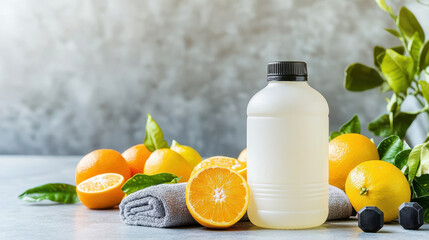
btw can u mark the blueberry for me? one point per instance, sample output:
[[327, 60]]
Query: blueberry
[[411, 215], [370, 219]]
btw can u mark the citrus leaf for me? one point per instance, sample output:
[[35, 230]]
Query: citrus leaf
[[393, 32], [389, 148], [377, 51], [352, 126], [382, 4], [360, 77], [425, 89], [401, 159], [424, 56], [408, 24], [414, 46], [142, 181], [413, 162], [421, 186], [56, 192], [397, 70], [154, 138], [424, 161], [380, 126]]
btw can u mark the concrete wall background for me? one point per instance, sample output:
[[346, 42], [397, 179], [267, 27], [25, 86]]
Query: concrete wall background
[[79, 75]]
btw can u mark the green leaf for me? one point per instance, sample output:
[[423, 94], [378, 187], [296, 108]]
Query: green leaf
[[380, 126], [382, 4], [389, 148], [413, 162], [397, 69], [377, 51], [424, 202], [352, 126], [424, 56], [385, 87], [154, 138], [424, 161], [421, 186], [401, 159], [56, 192], [399, 49], [425, 89], [360, 77], [141, 181], [393, 32], [414, 46], [408, 24], [401, 122]]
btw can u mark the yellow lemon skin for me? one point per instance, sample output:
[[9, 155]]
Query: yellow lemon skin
[[378, 183], [346, 152], [165, 160], [189, 154]]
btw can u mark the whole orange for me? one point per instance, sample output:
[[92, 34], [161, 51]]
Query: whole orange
[[101, 161], [136, 157], [346, 152]]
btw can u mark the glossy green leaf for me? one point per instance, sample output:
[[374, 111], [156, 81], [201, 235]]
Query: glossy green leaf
[[401, 159], [154, 138], [424, 202], [408, 24], [414, 46], [142, 181], [377, 51], [424, 161], [393, 32], [382, 4], [389, 148], [401, 122], [56, 192], [397, 70], [424, 56], [413, 162], [380, 126], [425, 89], [360, 77], [351, 126], [399, 49], [421, 186]]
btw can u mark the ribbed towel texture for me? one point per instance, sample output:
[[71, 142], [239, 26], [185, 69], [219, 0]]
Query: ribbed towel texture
[[165, 206], [157, 206]]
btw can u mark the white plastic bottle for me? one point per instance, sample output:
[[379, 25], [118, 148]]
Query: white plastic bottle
[[287, 147]]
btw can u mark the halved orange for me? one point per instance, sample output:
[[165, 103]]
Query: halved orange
[[217, 197], [221, 161], [101, 191]]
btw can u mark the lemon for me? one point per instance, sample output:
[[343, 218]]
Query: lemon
[[378, 183], [165, 160], [346, 152], [189, 154]]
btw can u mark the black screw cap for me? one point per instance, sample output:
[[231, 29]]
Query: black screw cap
[[411, 215], [370, 219]]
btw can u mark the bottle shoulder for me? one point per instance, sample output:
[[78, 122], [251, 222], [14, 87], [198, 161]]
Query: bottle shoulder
[[287, 98]]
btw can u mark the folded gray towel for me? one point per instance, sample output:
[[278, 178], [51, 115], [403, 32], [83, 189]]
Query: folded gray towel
[[157, 206], [339, 204], [164, 205]]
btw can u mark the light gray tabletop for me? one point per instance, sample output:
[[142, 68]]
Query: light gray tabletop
[[22, 220]]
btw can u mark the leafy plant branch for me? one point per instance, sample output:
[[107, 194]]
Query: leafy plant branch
[[398, 70]]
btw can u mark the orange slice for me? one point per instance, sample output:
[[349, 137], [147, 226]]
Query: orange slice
[[101, 191], [220, 161], [217, 197]]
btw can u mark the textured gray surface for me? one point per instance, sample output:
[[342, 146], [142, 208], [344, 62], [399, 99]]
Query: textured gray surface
[[79, 75], [21, 220]]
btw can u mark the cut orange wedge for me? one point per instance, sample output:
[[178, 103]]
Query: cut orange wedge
[[101, 191], [217, 197], [221, 161]]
